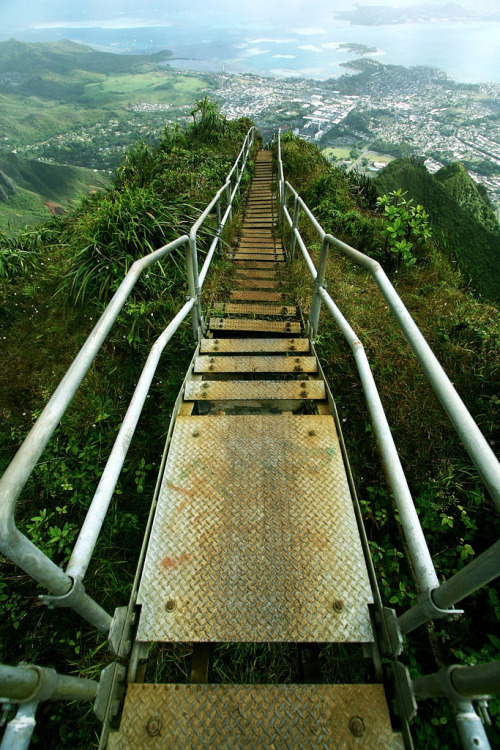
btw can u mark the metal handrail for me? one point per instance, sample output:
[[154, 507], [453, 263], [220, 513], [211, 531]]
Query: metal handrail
[[435, 600], [66, 588]]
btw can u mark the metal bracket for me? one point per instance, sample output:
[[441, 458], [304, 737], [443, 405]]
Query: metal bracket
[[111, 683], [119, 637], [71, 599], [391, 639], [404, 703], [425, 609]]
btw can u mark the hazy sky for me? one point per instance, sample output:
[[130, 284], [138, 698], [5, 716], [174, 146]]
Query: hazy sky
[[130, 13]]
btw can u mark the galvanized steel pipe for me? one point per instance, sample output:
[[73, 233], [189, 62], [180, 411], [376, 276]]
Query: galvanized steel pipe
[[89, 533]]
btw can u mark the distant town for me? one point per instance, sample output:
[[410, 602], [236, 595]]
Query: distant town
[[364, 119], [400, 112]]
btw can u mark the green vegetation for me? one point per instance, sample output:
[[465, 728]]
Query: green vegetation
[[30, 190], [458, 517], [55, 280], [69, 103], [459, 215]]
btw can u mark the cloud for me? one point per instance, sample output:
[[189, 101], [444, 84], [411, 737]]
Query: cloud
[[265, 40], [253, 52], [111, 23], [310, 31], [285, 57], [310, 47], [331, 45]]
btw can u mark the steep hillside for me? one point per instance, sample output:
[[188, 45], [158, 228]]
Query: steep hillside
[[19, 61], [459, 215], [30, 190]]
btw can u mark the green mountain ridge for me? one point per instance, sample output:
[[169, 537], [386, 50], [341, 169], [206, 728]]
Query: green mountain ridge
[[459, 214], [28, 185]]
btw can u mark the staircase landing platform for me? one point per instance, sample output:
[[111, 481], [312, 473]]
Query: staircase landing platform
[[253, 717], [255, 537]]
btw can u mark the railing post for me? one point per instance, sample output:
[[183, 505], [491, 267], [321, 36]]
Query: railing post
[[228, 198], [193, 283], [219, 220], [319, 283], [295, 220]]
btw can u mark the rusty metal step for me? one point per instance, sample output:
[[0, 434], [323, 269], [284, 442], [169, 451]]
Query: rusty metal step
[[234, 308], [255, 390], [309, 717], [254, 346], [257, 256], [254, 537], [208, 363], [257, 283], [253, 265], [248, 272], [257, 296], [265, 326]]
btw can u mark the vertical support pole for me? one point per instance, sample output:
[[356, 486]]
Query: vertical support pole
[[295, 221], [219, 219], [319, 283], [228, 197], [193, 283]]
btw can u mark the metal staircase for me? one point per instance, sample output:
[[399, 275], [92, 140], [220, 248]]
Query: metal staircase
[[254, 537], [255, 534]]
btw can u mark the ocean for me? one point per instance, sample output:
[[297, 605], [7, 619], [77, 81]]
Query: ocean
[[468, 53]]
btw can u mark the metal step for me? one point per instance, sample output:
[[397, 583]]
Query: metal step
[[266, 326], [252, 265], [207, 363], [233, 308], [254, 537], [257, 284], [257, 296], [255, 390], [248, 272], [259, 256], [254, 717], [255, 346]]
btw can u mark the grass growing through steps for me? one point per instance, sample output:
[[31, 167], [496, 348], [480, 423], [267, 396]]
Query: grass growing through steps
[[40, 333], [458, 518]]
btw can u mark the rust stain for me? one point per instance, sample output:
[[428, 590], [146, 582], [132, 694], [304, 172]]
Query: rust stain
[[173, 562], [180, 489]]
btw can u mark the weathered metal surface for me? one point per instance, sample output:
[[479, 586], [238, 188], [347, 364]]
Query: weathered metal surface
[[243, 309], [254, 537], [248, 272], [253, 717], [252, 265], [266, 326], [254, 390], [255, 364], [259, 256], [257, 296], [255, 346], [259, 283]]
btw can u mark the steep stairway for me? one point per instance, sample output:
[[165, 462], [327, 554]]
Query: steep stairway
[[255, 538]]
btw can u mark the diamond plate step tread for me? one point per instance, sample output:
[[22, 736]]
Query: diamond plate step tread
[[260, 257], [266, 326], [206, 363], [253, 265], [251, 274], [257, 296], [255, 390], [255, 346], [254, 537], [233, 308], [254, 717]]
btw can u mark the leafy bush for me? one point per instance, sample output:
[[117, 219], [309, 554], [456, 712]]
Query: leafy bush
[[406, 225]]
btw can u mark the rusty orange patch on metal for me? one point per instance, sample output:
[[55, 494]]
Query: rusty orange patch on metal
[[173, 562]]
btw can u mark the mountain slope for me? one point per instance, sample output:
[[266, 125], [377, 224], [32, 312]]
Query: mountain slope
[[31, 190], [459, 216]]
